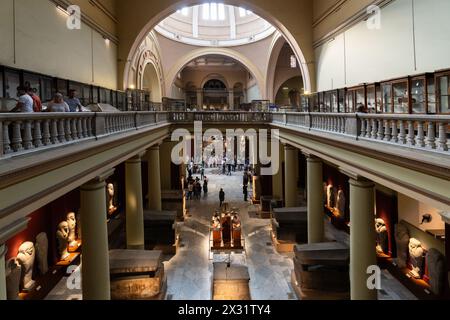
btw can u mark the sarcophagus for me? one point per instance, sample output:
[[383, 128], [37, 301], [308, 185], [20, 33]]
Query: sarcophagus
[[160, 230], [173, 200], [137, 275], [290, 224]]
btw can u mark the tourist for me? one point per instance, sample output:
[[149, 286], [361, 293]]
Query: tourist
[[190, 190], [73, 102], [25, 103], [221, 197], [202, 172], [245, 191], [37, 103], [58, 104], [205, 185]]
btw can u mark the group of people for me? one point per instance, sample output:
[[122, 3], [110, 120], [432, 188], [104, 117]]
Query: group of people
[[29, 101], [194, 188]]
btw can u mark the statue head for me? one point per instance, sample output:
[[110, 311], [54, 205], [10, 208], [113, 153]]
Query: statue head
[[27, 249], [415, 248], [63, 229], [380, 225], [110, 188], [71, 220]]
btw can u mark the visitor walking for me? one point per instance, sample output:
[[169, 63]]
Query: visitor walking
[[245, 191], [221, 197]]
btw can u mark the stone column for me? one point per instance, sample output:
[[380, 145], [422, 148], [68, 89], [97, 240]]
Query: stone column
[[95, 251], [134, 204], [277, 181], [290, 189], [315, 200], [199, 99], [231, 100], [3, 251], [154, 179], [362, 237]]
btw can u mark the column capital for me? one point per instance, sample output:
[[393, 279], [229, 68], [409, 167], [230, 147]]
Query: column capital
[[136, 158], [98, 182], [155, 147], [311, 158], [289, 147], [12, 229], [357, 180]]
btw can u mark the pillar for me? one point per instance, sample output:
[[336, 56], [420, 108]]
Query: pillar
[[362, 237], [315, 200], [134, 206], [231, 100], [3, 251], [154, 179], [95, 251], [290, 176], [277, 181], [199, 100]]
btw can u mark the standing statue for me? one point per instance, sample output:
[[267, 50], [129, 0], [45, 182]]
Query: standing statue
[[330, 196], [416, 255], [402, 242], [111, 207], [382, 236], [341, 202], [13, 275], [42, 252], [72, 223], [25, 257], [62, 235]]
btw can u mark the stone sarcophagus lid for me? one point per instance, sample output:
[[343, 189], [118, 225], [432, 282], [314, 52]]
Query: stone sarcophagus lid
[[321, 271], [160, 230], [290, 225], [137, 275]]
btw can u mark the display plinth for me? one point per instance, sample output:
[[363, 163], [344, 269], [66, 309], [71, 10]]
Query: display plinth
[[69, 260], [137, 275], [74, 247], [231, 282]]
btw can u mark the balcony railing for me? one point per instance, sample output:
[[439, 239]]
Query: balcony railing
[[426, 132], [218, 117], [21, 133]]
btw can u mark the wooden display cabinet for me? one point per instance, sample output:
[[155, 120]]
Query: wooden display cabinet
[[342, 93], [423, 94], [442, 82], [396, 96], [356, 97], [374, 95]]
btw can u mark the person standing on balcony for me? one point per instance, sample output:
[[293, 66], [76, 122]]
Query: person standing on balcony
[[37, 103], [58, 104], [25, 103], [73, 102]]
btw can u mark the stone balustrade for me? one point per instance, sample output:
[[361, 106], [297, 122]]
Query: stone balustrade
[[218, 117], [21, 132]]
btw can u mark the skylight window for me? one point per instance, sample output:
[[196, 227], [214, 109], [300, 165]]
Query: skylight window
[[243, 12], [213, 11], [184, 11], [293, 62]]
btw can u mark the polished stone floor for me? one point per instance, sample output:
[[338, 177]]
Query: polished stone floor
[[189, 272]]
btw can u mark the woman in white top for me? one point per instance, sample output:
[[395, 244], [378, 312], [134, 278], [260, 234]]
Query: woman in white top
[[58, 104]]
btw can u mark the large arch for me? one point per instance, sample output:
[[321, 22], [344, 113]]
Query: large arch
[[151, 80], [275, 50], [293, 20], [230, 53]]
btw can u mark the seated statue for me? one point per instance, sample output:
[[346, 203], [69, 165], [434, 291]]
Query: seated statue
[[62, 235], [111, 207], [416, 257], [72, 223], [26, 257], [382, 237]]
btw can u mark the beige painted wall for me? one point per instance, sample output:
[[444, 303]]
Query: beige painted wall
[[44, 44], [362, 55], [198, 76]]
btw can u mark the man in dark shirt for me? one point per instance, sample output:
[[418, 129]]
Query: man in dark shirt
[[221, 197]]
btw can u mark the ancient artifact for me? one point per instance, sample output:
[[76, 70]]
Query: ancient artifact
[[79, 225], [42, 252], [382, 237], [236, 224], [137, 275], [289, 227], [13, 275], [111, 207], [330, 196], [226, 229], [341, 202], [160, 230], [402, 242], [230, 282], [25, 257], [321, 271], [62, 236], [72, 223], [436, 271], [416, 258]]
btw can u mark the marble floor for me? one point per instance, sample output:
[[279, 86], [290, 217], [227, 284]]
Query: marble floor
[[189, 272]]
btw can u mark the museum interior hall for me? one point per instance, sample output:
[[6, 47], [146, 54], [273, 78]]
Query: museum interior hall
[[224, 150]]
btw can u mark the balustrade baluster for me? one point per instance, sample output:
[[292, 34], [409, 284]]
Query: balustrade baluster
[[6, 141], [442, 143], [374, 129], [46, 132], [27, 136], [420, 138], [61, 131], [394, 131], [68, 132], [74, 129], [17, 137], [402, 135], [80, 128], [369, 128], [411, 133], [431, 135], [363, 127], [37, 134]]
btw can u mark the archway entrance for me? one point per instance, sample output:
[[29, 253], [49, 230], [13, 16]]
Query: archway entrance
[[152, 83]]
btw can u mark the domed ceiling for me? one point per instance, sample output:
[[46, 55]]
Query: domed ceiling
[[215, 25]]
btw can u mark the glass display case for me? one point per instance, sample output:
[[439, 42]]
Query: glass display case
[[114, 98], [12, 81], [326, 106], [386, 99], [356, 99], [334, 103], [46, 88], [315, 102], [401, 94], [62, 86], [442, 84], [341, 100], [305, 102], [86, 95], [423, 99], [374, 98], [121, 101], [321, 101], [95, 95]]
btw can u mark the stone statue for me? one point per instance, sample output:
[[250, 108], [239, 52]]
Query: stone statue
[[26, 258], [324, 196], [62, 235], [79, 225], [402, 242], [436, 270], [13, 275], [330, 196], [236, 221], [72, 222], [382, 236], [341, 202], [42, 252], [416, 257], [111, 207]]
